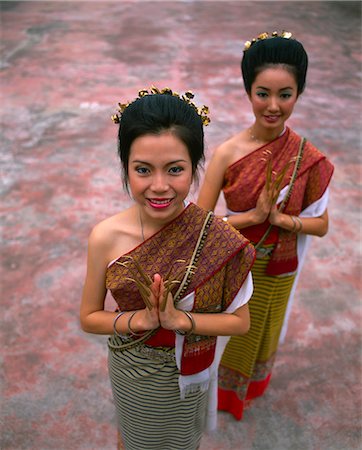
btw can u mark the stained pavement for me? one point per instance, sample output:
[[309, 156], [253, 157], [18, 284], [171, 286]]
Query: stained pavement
[[64, 67]]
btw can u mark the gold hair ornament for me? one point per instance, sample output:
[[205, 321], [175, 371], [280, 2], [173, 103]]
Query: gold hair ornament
[[186, 97], [262, 36]]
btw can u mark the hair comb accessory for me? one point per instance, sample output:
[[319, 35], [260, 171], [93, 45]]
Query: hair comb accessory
[[186, 97], [262, 36]]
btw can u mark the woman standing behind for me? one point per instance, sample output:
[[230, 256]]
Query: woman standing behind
[[179, 275], [276, 191]]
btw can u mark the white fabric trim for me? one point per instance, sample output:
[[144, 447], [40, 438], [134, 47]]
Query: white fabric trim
[[206, 380], [316, 209]]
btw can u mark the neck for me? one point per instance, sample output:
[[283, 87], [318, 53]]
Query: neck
[[149, 226], [262, 135]]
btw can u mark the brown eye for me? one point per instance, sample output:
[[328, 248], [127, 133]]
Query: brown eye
[[142, 170], [175, 170]]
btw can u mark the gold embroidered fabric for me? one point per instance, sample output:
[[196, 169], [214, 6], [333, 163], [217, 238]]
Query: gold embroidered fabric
[[177, 241], [223, 265], [245, 179]]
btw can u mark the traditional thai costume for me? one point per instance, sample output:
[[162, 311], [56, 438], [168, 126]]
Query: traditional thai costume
[[165, 387], [246, 365]]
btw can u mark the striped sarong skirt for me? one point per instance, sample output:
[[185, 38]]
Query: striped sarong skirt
[[151, 415], [247, 361]]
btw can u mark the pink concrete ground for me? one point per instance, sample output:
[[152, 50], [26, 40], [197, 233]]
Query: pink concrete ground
[[65, 65]]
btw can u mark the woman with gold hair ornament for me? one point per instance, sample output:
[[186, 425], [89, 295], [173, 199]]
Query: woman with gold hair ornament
[[275, 186], [170, 267]]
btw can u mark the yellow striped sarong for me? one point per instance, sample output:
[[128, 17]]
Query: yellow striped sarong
[[247, 361]]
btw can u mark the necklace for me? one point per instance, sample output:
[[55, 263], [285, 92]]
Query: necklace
[[141, 223], [253, 137]]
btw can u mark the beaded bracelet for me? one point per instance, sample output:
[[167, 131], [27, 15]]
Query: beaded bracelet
[[187, 333], [129, 325]]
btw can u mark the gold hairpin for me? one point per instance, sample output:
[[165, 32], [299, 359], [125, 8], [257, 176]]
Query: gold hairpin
[[186, 97], [262, 36]]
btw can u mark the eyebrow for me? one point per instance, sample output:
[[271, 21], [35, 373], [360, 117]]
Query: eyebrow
[[267, 89], [138, 161]]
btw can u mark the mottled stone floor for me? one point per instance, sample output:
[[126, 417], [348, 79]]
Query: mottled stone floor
[[65, 65]]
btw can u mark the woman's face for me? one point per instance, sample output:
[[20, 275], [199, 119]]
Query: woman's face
[[273, 95], [160, 175]]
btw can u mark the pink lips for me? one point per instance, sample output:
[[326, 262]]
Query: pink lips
[[159, 203], [271, 119]]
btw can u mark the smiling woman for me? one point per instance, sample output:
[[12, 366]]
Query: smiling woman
[[276, 191], [159, 180], [180, 277], [273, 96]]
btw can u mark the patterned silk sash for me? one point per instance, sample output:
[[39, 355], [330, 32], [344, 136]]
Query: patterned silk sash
[[222, 267], [245, 179]]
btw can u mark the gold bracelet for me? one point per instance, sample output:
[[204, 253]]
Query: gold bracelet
[[129, 325], [294, 224], [187, 333]]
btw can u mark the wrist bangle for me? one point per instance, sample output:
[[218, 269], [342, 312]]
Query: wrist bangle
[[187, 333], [300, 224], [120, 335], [225, 219], [129, 325], [294, 224]]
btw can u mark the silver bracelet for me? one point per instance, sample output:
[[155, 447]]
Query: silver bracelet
[[294, 223], [120, 335], [133, 333], [300, 224], [187, 333]]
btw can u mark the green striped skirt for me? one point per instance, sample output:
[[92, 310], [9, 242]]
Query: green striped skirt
[[250, 358], [151, 415]]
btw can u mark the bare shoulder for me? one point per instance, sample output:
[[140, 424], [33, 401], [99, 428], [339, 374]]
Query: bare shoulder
[[100, 232], [232, 149], [115, 235]]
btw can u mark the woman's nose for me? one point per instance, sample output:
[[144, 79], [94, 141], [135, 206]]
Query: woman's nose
[[159, 183], [273, 104]]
